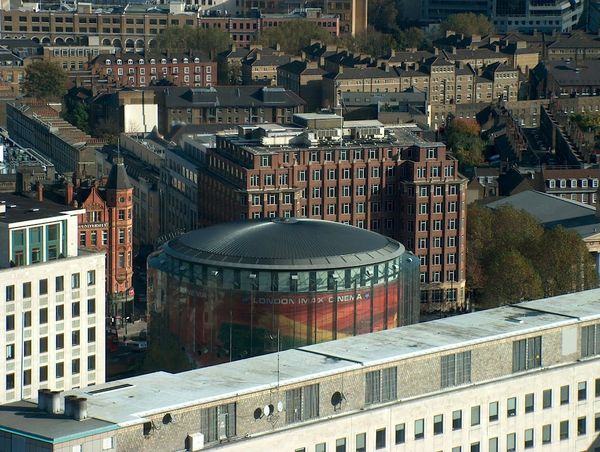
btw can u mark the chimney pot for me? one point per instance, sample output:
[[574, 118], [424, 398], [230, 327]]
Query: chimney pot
[[40, 191]]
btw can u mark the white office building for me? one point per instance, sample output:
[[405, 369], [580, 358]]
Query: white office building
[[52, 301]]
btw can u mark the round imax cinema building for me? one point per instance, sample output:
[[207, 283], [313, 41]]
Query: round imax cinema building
[[243, 288]]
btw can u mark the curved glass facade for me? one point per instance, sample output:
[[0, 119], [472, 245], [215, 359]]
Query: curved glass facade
[[218, 310]]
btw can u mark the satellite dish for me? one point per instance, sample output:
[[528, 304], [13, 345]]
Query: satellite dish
[[258, 413], [280, 406], [267, 410], [336, 398]]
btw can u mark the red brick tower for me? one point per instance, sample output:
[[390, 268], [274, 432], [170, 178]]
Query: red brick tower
[[119, 200]]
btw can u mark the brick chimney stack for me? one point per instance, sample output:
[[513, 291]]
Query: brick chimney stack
[[39, 191], [69, 194]]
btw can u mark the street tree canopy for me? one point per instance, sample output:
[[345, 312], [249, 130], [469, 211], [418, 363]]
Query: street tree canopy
[[465, 143], [183, 39], [511, 257], [294, 35], [468, 24], [45, 80]]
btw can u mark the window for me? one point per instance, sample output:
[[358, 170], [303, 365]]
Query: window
[[438, 424], [75, 309], [419, 428], [91, 362], [400, 434], [43, 345], [91, 334], [527, 354], [60, 283], [581, 426], [590, 340], [493, 411], [456, 369], [75, 281], [10, 293], [91, 277], [75, 338], [547, 398], [27, 290], [10, 381], [380, 439], [493, 445], [511, 442], [43, 316], [27, 348], [564, 430], [60, 370], [302, 403], [321, 447], [475, 447], [457, 420], [511, 407], [582, 391], [91, 306], [27, 319], [44, 373], [10, 352], [27, 377], [361, 442], [529, 438], [597, 422], [60, 341], [546, 434], [529, 403], [597, 391], [10, 322], [340, 445], [475, 415], [75, 366], [43, 287], [564, 395], [381, 386], [60, 312]]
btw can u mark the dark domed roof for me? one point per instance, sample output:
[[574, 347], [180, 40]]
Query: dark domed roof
[[284, 244]]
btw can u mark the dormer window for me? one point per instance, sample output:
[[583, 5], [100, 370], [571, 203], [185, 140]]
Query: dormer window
[[563, 183], [584, 183], [130, 61], [119, 61], [141, 61], [107, 62], [185, 60], [551, 183], [196, 60], [152, 61], [573, 183], [163, 61], [174, 60], [595, 183]]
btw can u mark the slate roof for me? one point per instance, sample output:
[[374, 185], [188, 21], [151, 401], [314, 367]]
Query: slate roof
[[284, 243], [568, 73], [552, 211], [117, 178], [230, 96], [300, 67]]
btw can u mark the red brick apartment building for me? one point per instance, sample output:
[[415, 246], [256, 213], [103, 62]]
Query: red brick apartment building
[[137, 70], [384, 179]]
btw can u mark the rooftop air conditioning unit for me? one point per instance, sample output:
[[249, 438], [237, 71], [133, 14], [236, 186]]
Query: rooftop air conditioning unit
[[195, 441]]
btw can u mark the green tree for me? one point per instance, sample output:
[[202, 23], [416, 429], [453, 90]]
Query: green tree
[[468, 24], [508, 247], [293, 36], [412, 38], [45, 80], [372, 42], [183, 39], [511, 278], [76, 112], [465, 143], [383, 15]]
